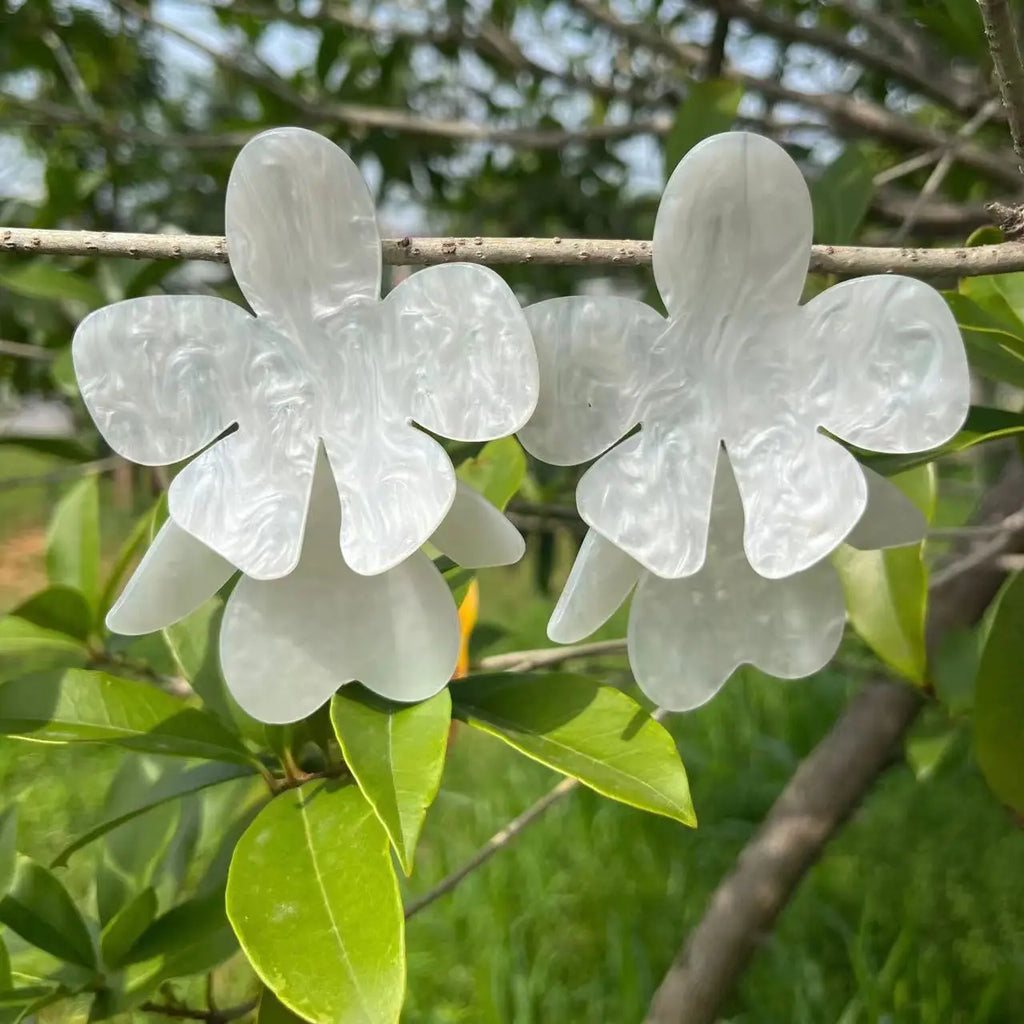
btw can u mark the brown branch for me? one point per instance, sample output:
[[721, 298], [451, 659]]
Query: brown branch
[[826, 788], [544, 657], [831, 259], [1006, 60], [211, 1016], [19, 350]]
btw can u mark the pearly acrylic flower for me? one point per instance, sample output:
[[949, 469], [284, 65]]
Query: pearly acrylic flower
[[323, 362], [877, 362], [687, 636], [326, 489]]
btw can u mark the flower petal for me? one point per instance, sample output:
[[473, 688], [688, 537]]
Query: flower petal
[[161, 375], [301, 229], [890, 520], [475, 534], [286, 645], [897, 377], [686, 637], [733, 231], [802, 494], [595, 356], [601, 578], [461, 348], [246, 497], [651, 495], [394, 492], [176, 575]]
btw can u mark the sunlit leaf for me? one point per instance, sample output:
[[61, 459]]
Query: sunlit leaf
[[709, 108], [73, 540], [497, 471]]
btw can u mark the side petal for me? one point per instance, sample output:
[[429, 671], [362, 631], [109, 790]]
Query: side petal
[[394, 493], [461, 352], [897, 377], [595, 356], [475, 534], [651, 495], [733, 231], [176, 575], [686, 637], [301, 229], [247, 496], [890, 520], [802, 494], [286, 645], [157, 373], [600, 580]]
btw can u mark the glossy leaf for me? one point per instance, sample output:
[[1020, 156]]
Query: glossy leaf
[[999, 699], [396, 753], [887, 591], [994, 349], [127, 926], [173, 786], [73, 540], [126, 555], [314, 901], [983, 425], [26, 648], [497, 472], [841, 196], [709, 108], [595, 733], [180, 927], [39, 909], [82, 706], [5, 966], [59, 609]]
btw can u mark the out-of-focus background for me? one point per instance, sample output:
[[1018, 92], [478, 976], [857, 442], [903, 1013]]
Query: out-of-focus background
[[540, 118]]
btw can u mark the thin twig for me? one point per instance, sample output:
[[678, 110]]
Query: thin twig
[[526, 661], [19, 350], [1005, 537], [409, 251], [211, 1016], [1006, 60], [497, 842]]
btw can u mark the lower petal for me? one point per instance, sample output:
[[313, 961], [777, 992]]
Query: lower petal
[[802, 494], [176, 575], [475, 534], [890, 520], [686, 637], [286, 645], [601, 578]]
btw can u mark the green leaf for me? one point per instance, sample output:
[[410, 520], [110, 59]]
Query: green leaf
[[5, 967], [887, 591], [595, 733], [999, 699], [132, 546], [315, 862], [41, 279], [273, 1011], [126, 927], [181, 926], [709, 108], [396, 753], [497, 472], [193, 644], [8, 847], [841, 196], [931, 740], [67, 448], [81, 706], [26, 648], [991, 335], [62, 372], [983, 425], [40, 910], [59, 609], [73, 540], [174, 785]]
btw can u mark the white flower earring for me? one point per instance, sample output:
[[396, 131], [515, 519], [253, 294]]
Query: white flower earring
[[877, 362], [324, 386]]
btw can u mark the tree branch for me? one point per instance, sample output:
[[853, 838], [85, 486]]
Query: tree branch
[[1006, 59], [211, 1016], [526, 661], [830, 259], [824, 791]]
